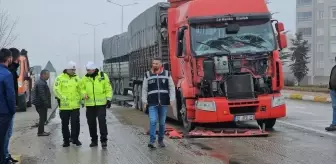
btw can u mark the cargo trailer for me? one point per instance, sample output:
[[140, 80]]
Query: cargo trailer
[[223, 57]]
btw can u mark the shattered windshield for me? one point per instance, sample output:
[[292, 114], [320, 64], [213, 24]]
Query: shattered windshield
[[253, 36]]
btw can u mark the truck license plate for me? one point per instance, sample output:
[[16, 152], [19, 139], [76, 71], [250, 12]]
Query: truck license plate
[[244, 118]]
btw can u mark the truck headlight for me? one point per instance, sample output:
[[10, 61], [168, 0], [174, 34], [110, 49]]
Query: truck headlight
[[277, 101], [206, 105]]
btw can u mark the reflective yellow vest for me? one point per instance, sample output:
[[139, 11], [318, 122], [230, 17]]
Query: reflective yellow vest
[[98, 89], [67, 89]]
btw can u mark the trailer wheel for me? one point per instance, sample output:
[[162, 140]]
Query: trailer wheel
[[117, 87], [188, 126], [135, 96], [114, 87], [141, 108], [29, 102], [269, 123], [121, 86]]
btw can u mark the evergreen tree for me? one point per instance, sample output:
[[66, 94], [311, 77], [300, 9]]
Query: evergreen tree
[[284, 55], [299, 57]]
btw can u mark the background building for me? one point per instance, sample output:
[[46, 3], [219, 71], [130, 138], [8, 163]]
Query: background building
[[316, 19]]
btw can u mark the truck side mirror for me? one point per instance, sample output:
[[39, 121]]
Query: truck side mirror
[[279, 26], [180, 37], [282, 39]]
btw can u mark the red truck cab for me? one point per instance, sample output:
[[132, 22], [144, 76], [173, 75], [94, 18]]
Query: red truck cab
[[225, 61]]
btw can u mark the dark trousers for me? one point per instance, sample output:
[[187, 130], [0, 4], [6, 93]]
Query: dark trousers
[[66, 116], [91, 114], [4, 126], [43, 114]]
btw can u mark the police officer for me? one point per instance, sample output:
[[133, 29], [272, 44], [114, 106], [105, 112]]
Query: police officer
[[158, 92], [67, 90], [97, 93]]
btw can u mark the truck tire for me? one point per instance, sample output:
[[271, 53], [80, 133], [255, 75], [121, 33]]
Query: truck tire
[[29, 103], [114, 87], [139, 98], [117, 87], [135, 96], [269, 123], [188, 126], [22, 103], [121, 87]]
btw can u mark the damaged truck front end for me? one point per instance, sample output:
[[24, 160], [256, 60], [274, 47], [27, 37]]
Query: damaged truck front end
[[236, 71]]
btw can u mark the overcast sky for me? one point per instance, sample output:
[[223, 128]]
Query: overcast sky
[[46, 27]]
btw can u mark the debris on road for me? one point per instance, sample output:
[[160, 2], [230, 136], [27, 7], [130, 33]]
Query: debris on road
[[173, 133]]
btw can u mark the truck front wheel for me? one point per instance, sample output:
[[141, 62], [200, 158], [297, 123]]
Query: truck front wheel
[[269, 123], [188, 125]]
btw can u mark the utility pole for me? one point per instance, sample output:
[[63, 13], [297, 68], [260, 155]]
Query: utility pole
[[122, 11], [79, 49], [94, 38]]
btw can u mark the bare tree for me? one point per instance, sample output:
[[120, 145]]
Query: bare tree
[[7, 36]]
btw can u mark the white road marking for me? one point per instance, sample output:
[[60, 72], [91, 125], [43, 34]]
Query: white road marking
[[299, 107], [307, 128], [302, 112]]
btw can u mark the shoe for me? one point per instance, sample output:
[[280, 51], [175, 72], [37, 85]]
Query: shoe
[[77, 143], [104, 144], [151, 146], [66, 144], [43, 134], [93, 144], [331, 128], [11, 160], [161, 144]]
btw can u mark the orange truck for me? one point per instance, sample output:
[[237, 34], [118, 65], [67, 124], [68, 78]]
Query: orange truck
[[223, 56], [24, 82]]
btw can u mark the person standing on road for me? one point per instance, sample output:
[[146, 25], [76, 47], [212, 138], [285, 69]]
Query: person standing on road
[[67, 90], [7, 100], [158, 92], [42, 100], [13, 67], [97, 93], [332, 88]]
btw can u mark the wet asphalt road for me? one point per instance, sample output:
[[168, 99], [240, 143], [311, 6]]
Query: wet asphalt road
[[126, 145], [298, 138]]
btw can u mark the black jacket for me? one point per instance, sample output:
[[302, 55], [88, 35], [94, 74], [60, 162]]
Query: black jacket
[[13, 69], [41, 94], [332, 79]]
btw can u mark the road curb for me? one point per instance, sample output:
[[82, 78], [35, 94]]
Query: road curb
[[297, 96]]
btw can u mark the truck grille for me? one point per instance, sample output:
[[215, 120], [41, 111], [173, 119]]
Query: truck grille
[[239, 87]]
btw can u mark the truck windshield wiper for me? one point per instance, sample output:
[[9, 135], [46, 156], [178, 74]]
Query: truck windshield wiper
[[214, 54], [248, 43], [217, 47]]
